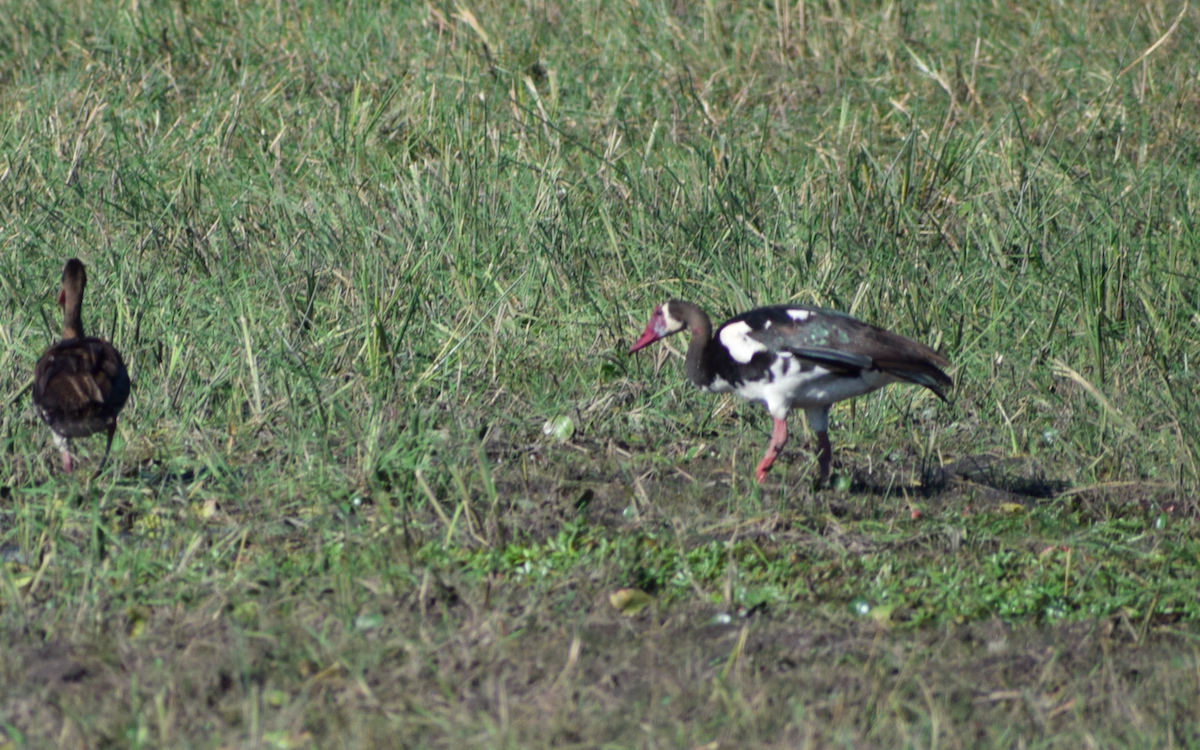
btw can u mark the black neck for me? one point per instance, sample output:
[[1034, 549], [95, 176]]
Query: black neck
[[700, 327]]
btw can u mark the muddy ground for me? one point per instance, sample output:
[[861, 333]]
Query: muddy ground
[[519, 675], [463, 661]]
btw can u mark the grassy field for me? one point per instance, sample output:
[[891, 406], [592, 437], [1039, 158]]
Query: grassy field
[[357, 256]]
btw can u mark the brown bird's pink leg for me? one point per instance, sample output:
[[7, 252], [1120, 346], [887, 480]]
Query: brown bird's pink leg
[[824, 457], [64, 449], [778, 438]]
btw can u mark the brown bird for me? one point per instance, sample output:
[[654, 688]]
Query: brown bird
[[792, 355], [80, 383]]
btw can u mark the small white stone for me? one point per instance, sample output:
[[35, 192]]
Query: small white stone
[[561, 428]]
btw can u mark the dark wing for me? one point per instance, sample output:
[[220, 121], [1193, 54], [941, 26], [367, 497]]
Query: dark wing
[[841, 343], [907, 359], [80, 380]]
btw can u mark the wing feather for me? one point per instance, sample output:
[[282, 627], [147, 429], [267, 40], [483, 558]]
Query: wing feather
[[842, 343]]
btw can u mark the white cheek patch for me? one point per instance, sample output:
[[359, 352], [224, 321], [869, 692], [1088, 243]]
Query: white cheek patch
[[736, 340], [799, 315], [672, 324]]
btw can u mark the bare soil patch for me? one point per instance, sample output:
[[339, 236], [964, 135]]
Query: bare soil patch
[[537, 672]]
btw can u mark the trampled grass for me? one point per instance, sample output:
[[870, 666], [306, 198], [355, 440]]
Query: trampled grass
[[357, 255]]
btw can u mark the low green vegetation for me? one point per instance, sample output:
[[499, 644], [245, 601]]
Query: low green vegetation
[[374, 269]]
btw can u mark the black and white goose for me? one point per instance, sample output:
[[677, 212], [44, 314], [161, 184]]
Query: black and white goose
[[791, 355]]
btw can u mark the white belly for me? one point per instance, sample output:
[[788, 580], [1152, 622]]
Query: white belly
[[790, 387]]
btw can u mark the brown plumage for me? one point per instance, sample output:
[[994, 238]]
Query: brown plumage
[[80, 383]]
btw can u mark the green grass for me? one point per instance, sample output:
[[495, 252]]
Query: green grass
[[356, 256]]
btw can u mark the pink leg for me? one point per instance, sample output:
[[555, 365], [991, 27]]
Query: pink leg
[[778, 438], [824, 457], [64, 448]]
